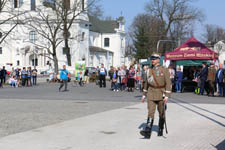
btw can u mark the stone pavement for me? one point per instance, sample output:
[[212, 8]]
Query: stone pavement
[[191, 127]]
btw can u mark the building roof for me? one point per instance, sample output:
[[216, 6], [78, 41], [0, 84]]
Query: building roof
[[103, 26], [98, 49]]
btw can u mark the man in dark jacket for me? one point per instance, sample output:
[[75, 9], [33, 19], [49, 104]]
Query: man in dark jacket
[[203, 77], [220, 80], [3, 75], [0, 77]]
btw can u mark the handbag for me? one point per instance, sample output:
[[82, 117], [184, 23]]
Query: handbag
[[124, 80]]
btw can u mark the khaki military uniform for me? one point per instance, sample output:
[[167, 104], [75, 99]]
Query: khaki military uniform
[[211, 79], [158, 85]]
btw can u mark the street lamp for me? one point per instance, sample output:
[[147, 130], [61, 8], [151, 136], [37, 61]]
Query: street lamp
[[163, 41]]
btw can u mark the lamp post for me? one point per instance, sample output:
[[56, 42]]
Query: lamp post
[[163, 41]]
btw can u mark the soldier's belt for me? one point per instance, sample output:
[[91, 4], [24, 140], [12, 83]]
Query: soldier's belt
[[157, 87]]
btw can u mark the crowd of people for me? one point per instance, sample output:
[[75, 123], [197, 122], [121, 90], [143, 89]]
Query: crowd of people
[[209, 79], [18, 77], [122, 78]]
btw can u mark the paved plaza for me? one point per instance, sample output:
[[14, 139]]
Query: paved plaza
[[41, 118]]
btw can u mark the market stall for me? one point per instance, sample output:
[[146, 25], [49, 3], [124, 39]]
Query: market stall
[[190, 56]]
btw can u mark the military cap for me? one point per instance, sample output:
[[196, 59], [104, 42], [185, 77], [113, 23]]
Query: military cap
[[155, 56]]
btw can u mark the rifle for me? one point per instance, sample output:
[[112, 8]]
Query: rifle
[[164, 116]]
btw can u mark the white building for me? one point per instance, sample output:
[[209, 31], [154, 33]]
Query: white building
[[107, 42], [219, 47], [94, 41]]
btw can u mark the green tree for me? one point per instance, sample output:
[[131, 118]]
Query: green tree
[[145, 32], [141, 44]]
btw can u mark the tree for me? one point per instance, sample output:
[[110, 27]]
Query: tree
[[213, 33], [2, 4], [145, 32], [8, 15], [174, 13], [96, 10], [47, 24], [68, 13]]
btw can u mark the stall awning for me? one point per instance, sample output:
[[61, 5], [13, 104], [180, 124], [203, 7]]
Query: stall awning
[[191, 62], [191, 50]]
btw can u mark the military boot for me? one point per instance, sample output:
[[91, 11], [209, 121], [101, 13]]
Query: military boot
[[161, 126], [148, 129]]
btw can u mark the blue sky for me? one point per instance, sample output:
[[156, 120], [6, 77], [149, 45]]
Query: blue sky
[[214, 11]]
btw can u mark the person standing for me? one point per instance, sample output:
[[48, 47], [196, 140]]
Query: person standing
[[143, 77], [220, 77], [211, 79], [158, 90], [102, 75], [138, 78], [63, 78], [34, 76], [24, 76], [172, 75], [179, 77], [123, 78], [131, 79], [1, 86], [86, 76], [203, 75], [3, 75], [29, 75], [111, 75]]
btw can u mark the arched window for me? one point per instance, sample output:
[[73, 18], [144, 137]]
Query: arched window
[[106, 42]]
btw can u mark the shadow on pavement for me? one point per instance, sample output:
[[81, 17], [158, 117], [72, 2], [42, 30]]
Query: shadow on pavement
[[209, 118], [221, 146], [199, 108]]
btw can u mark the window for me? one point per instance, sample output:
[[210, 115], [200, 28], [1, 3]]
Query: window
[[0, 50], [82, 5], [49, 3], [20, 3], [106, 42], [64, 50], [67, 4], [82, 37], [15, 3], [36, 62], [17, 62], [32, 36], [32, 4]]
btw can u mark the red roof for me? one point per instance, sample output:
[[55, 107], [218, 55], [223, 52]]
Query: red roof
[[192, 49]]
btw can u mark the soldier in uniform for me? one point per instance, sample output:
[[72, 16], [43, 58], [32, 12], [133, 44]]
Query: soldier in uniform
[[158, 90], [211, 79]]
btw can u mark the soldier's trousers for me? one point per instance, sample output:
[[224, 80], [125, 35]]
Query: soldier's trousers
[[211, 87], [152, 106]]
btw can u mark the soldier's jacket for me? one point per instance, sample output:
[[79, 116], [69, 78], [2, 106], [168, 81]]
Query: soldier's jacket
[[156, 92], [211, 74]]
